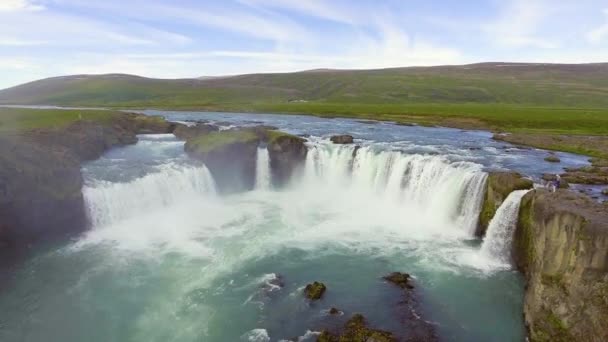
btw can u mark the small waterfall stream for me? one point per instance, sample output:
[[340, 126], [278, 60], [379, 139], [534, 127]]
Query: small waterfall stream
[[497, 243], [262, 177]]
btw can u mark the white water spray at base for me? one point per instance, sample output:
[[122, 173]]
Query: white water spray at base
[[262, 176], [109, 203], [497, 243]]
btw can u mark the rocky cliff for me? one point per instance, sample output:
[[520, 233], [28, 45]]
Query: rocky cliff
[[40, 179], [231, 155], [498, 186], [561, 246]]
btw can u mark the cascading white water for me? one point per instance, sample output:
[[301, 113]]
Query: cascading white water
[[262, 177], [497, 243], [429, 186], [109, 203]]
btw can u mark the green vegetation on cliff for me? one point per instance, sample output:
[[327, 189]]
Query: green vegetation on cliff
[[212, 141], [498, 186], [23, 119]]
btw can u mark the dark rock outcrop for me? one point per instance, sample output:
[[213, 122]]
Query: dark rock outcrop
[[315, 290], [231, 155], [40, 178], [342, 139], [593, 175], [561, 247], [400, 279], [287, 153], [498, 186], [356, 330]]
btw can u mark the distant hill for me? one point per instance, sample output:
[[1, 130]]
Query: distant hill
[[521, 84]]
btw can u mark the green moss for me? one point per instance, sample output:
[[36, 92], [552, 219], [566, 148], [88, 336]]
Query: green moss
[[215, 140], [274, 135], [22, 119], [550, 328]]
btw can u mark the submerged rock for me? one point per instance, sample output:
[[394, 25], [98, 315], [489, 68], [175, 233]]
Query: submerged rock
[[498, 186], [334, 311], [315, 290], [552, 159], [342, 139], [605, 192], [561, 247], [356, 330], [400, 279]]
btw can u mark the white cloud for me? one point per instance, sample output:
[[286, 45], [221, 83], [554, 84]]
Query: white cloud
[[19, 5], [517, 24], [599, 34]]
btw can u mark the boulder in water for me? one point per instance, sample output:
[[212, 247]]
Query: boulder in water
[[342, 139], [355, 330], [400, 279], [498, 186], [315, 290], [287, 152], [552, 159]]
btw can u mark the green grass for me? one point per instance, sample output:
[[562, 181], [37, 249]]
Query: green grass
[[20, 119], [212, 141]]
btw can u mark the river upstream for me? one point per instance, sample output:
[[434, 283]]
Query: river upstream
[[168, 259]]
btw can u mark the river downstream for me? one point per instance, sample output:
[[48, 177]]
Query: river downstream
[[169, 259]]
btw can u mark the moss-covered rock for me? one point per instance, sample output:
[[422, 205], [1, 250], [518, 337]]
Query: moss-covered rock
[[400, 279], [342, 139], [561, 246], [184, 132], [230, 156], [356, 330], [498, 187], [315, 290], [552, 159], [593, 175]]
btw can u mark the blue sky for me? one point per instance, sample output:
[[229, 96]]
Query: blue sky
[[188, 38]]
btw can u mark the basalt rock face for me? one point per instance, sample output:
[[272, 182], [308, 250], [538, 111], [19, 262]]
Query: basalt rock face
[[561, 246], [287, 153], [498, 186], [342, 139], [231, 155], [40, 178]]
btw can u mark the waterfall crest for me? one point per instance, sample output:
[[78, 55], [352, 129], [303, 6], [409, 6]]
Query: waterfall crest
[[262, 176], [109, 202], [432, 185], [497, 243]]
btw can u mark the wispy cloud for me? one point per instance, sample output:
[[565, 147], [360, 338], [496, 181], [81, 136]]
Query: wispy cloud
[[517, 24], [19, 5], [599, 34]]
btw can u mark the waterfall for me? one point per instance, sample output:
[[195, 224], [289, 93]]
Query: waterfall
[[109, 202], [432, 186], [497, 243], [262, 176]]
